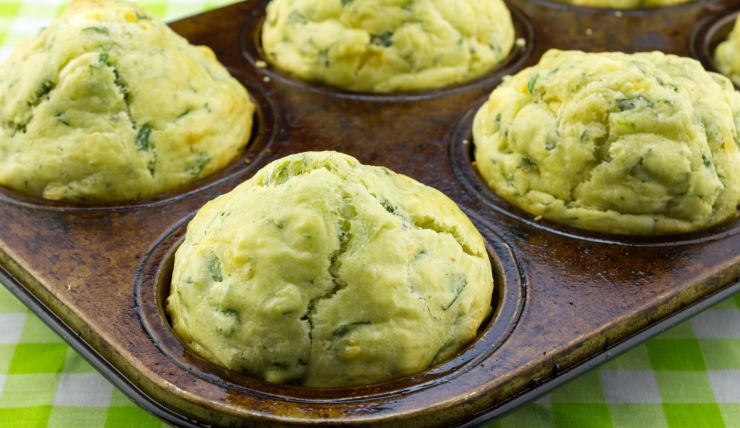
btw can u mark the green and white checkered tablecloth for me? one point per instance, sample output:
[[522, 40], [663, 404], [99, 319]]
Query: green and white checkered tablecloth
[[687, 377]]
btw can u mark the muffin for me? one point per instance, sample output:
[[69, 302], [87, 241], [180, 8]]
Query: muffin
[[387, 45], [727, 55], [626, 4], [325, 272], [109, 104], [630, 144]]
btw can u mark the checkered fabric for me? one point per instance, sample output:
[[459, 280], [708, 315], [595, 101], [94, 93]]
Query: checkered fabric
[[687, 377], [43, 382]]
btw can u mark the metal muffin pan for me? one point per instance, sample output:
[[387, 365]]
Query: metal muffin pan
[[565, 300]]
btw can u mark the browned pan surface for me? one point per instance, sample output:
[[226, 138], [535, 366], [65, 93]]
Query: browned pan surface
[[564, 296]]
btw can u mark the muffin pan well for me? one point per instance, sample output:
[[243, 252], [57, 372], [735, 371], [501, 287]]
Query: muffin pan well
[[565, 299], [507, 303], [711, 31], [462, 158]]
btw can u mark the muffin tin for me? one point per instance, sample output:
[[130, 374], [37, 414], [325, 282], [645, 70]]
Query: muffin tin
[[565, 299]]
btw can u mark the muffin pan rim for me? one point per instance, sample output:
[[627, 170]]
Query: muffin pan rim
[[635, 11], [250, 45]]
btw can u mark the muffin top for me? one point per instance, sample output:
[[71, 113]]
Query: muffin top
[[387, 45], [625, 4], [109, 104], [632, 144], [727, 55], [322, 271]]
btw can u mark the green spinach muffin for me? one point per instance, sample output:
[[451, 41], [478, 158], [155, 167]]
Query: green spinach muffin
[[387, 45], [109, 104], [325, 272], [638, 144]]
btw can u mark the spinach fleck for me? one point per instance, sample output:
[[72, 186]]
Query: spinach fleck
[[552, 141], [17, 127], [46, 87], [532, 82], [324, 57], [388, 206], [383, 39], [343, 329], [104, 61], [142, 138], [196, 167], [296, 18], [152, 165], [186, 112], [97, 29], [62, 119], [528, 163], [231, 313], [624, 104], [282, 175], [214, 268], [460, 283]]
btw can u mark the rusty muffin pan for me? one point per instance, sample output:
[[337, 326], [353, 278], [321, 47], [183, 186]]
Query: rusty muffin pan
[[565, 299]]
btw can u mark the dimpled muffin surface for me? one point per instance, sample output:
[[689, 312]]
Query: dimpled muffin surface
[[322, 271], [109, 104], [727, 55], [625, 4], [630, 144], [387, 45]]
